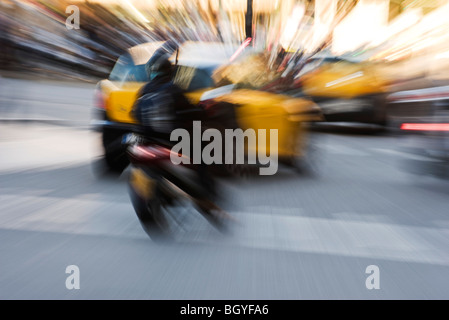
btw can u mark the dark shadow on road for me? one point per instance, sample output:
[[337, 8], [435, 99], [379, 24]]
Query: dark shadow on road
[[350, 128]]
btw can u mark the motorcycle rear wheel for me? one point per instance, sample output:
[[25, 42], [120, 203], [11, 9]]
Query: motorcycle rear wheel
[[149, 214], [168, 215]]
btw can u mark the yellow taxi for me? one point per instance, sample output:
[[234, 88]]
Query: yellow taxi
[[347, 90], [212, 79], [115, 96]]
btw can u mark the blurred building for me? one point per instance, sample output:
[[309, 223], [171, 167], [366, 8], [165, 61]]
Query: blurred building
[[34, 36]]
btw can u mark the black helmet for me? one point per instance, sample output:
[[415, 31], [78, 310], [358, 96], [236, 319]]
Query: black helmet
[[159, 66]]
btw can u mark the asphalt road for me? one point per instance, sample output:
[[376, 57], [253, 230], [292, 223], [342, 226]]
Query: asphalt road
[[297, 237]]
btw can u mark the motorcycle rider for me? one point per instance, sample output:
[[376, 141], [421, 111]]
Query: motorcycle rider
[[161, 107]]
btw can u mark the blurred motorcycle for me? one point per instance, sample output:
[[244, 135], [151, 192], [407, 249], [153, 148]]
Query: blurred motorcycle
[[167, 197]]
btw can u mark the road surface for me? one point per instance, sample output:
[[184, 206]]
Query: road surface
[[297, 237]]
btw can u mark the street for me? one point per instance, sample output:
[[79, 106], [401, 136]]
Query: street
[[297, 237]]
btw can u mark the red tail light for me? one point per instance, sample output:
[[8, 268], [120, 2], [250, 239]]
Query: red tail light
[[99, 99], [425, 126], [207, 104], [149, 153]]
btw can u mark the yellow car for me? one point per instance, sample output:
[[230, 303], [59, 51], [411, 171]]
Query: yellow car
[[115, 96], [253, 107], [228, 90], [346, 90]]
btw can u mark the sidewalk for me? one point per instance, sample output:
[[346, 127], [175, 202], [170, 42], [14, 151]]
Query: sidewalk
[[27, 98], [49, 77]]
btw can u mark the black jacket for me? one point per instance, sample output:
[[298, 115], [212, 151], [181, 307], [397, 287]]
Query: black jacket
[[161, 106]]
